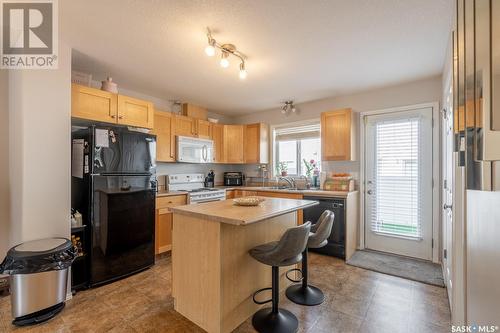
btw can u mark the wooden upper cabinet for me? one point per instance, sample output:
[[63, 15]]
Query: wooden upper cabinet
[[203, 129], [93, 104], [165, 140], [184, 126], [135, 112], [233, 143], [194, 111], [338, 136], [256, 143], [218, 138]]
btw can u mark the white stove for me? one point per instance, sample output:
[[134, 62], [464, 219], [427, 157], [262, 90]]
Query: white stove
[[194, 184]]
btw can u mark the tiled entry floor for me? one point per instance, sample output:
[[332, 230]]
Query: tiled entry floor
[[357, 301]]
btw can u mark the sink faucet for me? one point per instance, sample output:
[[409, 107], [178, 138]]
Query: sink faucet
[[290, 181]]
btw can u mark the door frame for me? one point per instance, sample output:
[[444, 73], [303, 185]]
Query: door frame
[[436, 171]]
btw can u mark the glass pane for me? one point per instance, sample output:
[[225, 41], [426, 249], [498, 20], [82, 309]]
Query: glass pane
[[397, 178], [288, 155], [311, 152]]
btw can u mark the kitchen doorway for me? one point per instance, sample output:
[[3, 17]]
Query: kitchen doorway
[[398, 182]]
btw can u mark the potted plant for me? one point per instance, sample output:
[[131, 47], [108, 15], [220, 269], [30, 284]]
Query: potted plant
[[312, 171], [283, 168]]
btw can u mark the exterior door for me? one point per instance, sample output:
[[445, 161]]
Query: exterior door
[[398, 172]]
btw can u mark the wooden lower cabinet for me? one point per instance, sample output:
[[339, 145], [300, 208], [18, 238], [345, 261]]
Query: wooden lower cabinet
[[230, 194], [163, 235], [298, 196], [163, 223], [244, 193]]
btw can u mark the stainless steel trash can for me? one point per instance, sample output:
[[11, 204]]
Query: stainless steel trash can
[[38, 278]]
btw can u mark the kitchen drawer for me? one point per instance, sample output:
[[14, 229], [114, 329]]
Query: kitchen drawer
[[171, 201]]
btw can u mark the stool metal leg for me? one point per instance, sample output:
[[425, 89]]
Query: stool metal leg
[[274, 319], [305, 294]]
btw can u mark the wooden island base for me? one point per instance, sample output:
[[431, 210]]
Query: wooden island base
[[214, 277]]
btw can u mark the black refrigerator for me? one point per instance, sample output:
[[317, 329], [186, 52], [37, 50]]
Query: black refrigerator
[[114, 186]]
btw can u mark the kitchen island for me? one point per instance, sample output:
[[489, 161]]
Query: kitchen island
[[213, 276]]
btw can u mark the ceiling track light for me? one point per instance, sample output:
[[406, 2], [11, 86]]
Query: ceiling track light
[[288, 107], [226, 51]]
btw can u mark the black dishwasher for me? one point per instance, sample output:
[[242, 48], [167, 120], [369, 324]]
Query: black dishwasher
[[336, 241]]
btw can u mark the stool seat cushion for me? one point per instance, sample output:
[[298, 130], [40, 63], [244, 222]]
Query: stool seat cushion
[[266, 254], [321, 230], [285, 252]]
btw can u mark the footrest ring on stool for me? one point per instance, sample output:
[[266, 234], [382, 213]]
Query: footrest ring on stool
[[294, 270], [259, 291]]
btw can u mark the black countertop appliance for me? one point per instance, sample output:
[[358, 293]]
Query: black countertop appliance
[[233, 178]]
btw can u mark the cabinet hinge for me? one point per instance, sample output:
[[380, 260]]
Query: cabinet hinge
[[445, 254], [432, 243]]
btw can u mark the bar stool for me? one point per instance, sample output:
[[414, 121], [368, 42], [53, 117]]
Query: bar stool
[[285, 252], [303, 293]]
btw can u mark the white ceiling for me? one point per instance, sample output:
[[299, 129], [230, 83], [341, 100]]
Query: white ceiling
[[301, 50]]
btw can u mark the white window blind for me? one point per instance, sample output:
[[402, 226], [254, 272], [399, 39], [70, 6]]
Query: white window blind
[[310, 131], [397, 179]]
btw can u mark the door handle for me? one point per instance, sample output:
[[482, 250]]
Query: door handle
[[370, 192], [446, 206]]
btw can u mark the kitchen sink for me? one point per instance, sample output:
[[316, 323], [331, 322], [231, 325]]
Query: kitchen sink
[[279, 188]]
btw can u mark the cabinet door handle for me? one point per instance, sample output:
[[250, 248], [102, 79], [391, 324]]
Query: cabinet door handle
[[113, 116], [120, 117]]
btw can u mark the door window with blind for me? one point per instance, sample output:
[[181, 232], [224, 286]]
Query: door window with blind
[[297, 149], [398, 171]]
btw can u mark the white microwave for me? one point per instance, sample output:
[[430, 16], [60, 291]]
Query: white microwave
[[194, 150]]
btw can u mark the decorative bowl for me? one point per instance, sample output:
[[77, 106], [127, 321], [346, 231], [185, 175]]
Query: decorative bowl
[[248, 201]]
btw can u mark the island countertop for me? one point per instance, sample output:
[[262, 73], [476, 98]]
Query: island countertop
[[226, 212]]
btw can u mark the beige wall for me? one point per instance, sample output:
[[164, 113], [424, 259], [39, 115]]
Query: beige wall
[[4, 164], [422, 91], [39, 159]]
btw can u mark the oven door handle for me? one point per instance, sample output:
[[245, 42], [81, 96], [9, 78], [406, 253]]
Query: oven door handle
[[208, 200]]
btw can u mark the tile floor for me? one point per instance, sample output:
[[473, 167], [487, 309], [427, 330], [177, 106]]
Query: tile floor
[[357, 300]]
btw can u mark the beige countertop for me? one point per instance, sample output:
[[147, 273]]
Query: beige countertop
[[318, 193], [225, 212]]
